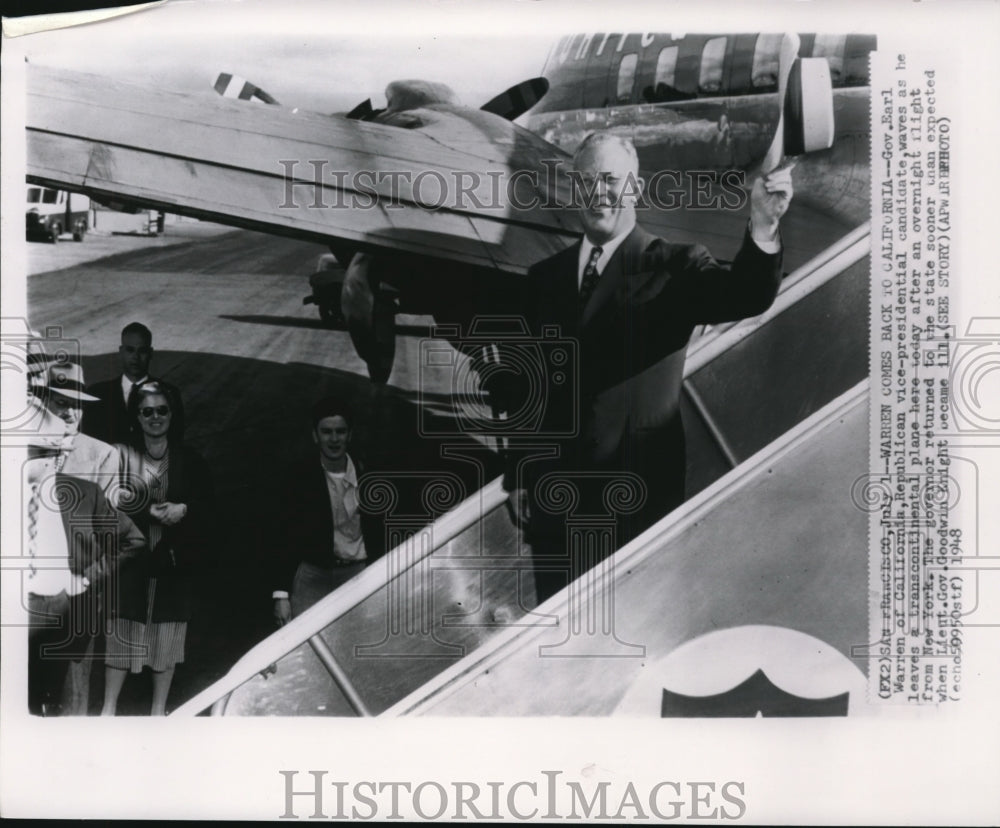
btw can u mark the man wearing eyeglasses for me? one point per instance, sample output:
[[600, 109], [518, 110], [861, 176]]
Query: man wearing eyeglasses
[[109, 421]]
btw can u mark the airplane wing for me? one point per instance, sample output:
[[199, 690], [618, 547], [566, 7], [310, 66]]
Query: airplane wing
[[451, 184]]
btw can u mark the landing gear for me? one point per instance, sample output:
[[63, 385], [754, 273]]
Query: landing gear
[[331, 315], [327, 283], [371, 318]]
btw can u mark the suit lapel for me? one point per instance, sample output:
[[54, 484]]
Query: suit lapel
[[323, 509], [175, 475], [83, 504], [66, 514], [566, 275], [622, 263], [558, 294]]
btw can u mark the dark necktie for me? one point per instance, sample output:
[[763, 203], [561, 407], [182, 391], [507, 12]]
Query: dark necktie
[[590, 277]]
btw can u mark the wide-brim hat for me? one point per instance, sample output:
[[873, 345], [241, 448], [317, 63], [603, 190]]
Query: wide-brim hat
[[66, 379]]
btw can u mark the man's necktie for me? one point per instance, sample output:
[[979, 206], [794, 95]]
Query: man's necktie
[[590, 277], [32, 529]]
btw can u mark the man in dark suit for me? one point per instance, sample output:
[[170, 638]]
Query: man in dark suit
[[75, 543], [631, 301], [108, 419], [325, 538]]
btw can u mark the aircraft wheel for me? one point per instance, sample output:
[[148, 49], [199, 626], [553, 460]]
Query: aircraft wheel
[[332, 317], [55, 233], [79, 235], [371, 321]]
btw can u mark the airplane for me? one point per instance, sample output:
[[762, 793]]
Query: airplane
[[449, 216], [695, 106], [461, 251]]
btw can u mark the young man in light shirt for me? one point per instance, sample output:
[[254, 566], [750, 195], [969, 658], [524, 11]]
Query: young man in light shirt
[[323, 538]]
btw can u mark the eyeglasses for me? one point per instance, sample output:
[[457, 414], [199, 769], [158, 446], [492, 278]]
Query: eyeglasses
[[149, 410]]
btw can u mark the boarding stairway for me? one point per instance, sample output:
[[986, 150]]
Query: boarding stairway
[[776, 418]]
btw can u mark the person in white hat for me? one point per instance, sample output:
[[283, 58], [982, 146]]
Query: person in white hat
[[73, 542], [62, 392]]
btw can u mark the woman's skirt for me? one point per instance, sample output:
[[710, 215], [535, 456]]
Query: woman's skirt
[[132, 645]]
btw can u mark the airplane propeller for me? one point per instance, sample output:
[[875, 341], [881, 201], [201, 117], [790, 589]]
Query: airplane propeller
[[517, 100], [368, 311], [363, 111], [509, 104]]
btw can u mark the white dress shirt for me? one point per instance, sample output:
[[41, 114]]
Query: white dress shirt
[[607, 251], [128, 385], [348, 544]]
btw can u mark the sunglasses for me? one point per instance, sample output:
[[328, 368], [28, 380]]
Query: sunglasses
[[149, 410]]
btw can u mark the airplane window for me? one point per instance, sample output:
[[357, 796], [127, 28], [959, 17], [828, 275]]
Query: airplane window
[[584, 47], [666, 66], [831, 47], [564, 47], [34, 193], [710, 79], [626, 77], [664, 88], [764, 74], [49, 196]]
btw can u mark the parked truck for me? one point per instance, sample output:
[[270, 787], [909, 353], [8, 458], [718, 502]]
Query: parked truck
[[51, 213]]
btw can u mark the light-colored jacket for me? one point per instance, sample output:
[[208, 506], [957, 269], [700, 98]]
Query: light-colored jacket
[[97, 462]]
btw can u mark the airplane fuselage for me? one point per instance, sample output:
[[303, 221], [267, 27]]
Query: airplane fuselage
[[705, 104]]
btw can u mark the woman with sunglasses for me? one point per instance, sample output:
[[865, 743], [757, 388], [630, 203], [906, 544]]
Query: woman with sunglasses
[[166, 490]]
